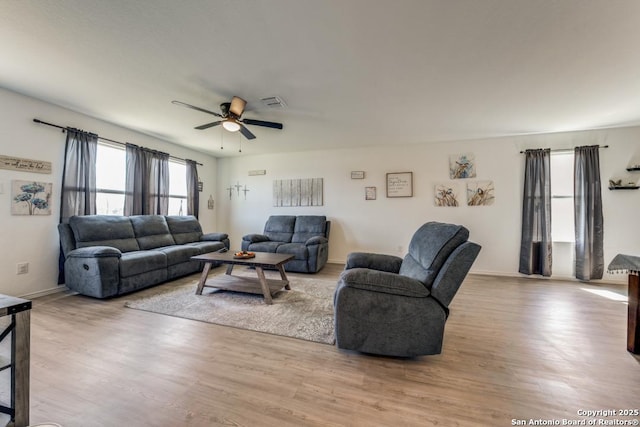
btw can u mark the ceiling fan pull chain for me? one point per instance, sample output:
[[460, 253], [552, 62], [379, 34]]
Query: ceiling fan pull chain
[[240, 139], [221, 139]]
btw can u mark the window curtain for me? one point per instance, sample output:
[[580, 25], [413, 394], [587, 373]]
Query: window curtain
[[535, 244], [78, 193], [193, 195], [588, 213], [147, 182]]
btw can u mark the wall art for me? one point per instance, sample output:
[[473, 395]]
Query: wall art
[[298, 192], [30, 198], [480, 193], [357, 174], [400, 184], [369, 193], [447, 194], [25, 165], [462, 166]]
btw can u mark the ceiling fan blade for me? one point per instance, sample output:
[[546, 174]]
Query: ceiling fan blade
[[209, 125], [246, 132], [237, 106], [262, 123], [196, 108]]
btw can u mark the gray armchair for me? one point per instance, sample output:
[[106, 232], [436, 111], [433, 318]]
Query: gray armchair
[[398, 307]]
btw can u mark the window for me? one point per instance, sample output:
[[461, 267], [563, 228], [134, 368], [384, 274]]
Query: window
[[111, 175], [177, 188], [562, 220], [110, 179]]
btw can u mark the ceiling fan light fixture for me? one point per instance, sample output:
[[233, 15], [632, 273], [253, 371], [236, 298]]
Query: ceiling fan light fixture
[[231, 125]]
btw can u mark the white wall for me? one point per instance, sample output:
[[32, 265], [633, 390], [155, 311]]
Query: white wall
[[382, 225], [34, 239], [386, 225]]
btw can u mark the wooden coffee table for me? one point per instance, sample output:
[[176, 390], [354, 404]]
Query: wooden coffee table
[[253, 285]]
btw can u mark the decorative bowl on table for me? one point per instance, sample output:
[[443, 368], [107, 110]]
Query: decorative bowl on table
[[244, 254]]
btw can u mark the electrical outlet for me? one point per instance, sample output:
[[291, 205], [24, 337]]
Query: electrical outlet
[[23, 268]]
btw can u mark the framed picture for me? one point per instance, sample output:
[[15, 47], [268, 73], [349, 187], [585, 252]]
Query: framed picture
[[30, 198], [357, 174], [400, 184], [369, 193]]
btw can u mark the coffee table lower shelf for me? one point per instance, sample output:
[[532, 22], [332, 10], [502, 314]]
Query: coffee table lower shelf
[[250, 285]]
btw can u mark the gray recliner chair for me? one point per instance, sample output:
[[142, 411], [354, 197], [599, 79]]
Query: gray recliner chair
[[392, 306]]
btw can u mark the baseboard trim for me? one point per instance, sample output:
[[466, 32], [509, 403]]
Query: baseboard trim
[[50, 291], [622, 281]]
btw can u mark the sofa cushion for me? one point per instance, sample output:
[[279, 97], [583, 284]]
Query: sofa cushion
[[138, 262], [264, 246], [299, 250], [177, 254], [185, 229], [279, 228], [429, 248], [104, 230], [308, 226], [151, 231], [207, 246]]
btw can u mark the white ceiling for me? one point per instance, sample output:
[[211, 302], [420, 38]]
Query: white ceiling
[[352, 72]]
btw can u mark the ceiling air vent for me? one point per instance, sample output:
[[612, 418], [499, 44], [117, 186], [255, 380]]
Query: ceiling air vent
[[273, 102]]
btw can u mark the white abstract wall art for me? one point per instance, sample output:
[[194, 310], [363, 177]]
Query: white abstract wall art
[[30, 198], [447, 194], [298, 192], [462, 166], [480, 193]]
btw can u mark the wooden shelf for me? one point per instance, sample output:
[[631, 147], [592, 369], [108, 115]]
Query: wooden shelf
[[635, 187], [16, 342]]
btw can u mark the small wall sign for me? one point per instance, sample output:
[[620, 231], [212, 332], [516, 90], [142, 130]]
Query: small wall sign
[[24, 165]]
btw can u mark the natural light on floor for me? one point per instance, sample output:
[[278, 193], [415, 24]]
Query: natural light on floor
[[607, 294]]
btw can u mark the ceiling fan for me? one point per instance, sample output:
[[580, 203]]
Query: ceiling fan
[[231, 113]]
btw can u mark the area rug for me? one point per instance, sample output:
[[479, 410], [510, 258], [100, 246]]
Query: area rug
[[304, 312]]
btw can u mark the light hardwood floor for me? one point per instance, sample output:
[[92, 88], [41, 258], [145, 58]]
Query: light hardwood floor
[[514, 349]]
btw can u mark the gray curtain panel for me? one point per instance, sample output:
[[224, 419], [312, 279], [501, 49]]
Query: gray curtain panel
[[147, 182], [535, 244], [588, 213], [193, 195], [78, 194]]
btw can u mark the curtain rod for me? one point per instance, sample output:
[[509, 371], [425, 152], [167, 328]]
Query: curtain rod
[[568, 150], [102, 138]]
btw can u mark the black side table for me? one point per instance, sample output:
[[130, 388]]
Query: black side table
[[18, 331]]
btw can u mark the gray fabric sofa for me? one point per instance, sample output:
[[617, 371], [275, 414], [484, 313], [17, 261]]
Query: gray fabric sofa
[[106, 255], [392, 306], [304, 236]]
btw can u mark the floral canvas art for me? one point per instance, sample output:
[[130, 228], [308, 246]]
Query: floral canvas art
[[446, 194], [30, 198], [480, 193], [462, 166]]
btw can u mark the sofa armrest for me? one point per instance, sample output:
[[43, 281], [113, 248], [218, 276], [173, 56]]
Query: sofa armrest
[[95, 252], [383, 281], [255, 238], [93, 271], [380, 262], [316, 240], [214, 237]]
